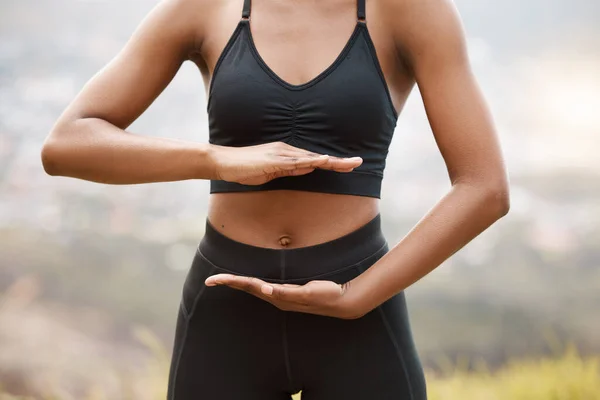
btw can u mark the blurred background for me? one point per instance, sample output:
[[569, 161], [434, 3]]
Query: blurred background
[[91, 274]]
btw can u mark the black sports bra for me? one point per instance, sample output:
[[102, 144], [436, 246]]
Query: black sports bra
[[344, 111]]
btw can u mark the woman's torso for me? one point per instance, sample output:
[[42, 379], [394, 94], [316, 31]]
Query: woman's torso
[[298, 40]]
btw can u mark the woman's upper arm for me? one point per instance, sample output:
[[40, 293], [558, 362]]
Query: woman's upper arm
[[121, 91], [432, 39]]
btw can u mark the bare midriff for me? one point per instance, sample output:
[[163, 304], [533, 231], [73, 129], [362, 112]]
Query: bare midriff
[[286, 219]]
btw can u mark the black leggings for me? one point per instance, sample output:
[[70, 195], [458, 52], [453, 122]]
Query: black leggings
[[230, 345]]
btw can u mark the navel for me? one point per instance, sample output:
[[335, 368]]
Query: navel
[[285, 240]]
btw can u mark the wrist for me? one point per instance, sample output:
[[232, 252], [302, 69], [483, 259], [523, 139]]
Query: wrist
[[208, 156], [352, 302]]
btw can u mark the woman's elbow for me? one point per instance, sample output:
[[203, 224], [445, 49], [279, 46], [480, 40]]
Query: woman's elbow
[[49, 158], [52, 152], [497, 198]]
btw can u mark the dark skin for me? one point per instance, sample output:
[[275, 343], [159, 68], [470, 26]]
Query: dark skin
[[417, 42]]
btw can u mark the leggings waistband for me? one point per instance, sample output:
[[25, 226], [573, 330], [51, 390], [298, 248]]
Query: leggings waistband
[[297, 263]]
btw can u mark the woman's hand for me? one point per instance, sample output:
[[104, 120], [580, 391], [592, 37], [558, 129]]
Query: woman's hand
[[316, 297], [255, 165]]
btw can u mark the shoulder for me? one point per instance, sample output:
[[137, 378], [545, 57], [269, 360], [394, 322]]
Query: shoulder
[[424, 29], [414, 12], [187, 20]]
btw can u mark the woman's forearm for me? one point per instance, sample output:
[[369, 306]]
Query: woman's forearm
[[95, 150], [461, 215]]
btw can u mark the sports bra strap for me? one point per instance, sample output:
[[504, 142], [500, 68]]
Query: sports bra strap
[[246, 10], [362, 15]]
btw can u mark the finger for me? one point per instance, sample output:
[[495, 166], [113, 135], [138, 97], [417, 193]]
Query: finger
[[343, 170], [228, 279], [300, 171], [296, 152], [299, 161], [217, 279], [289, 294], [291, 151], [327, 162], [248, 284], [291, 172], [342, 164]]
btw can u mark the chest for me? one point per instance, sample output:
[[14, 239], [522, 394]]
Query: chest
[[347, 102], [300, 40]]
